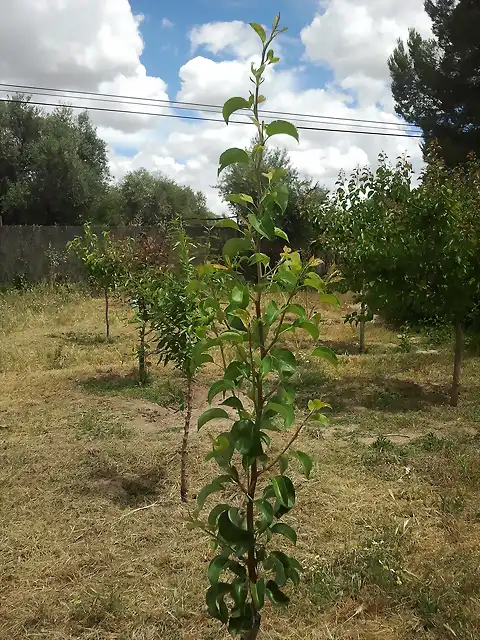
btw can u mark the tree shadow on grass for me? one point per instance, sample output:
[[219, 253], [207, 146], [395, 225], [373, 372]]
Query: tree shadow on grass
[[108, 477], [84, 338], [111, 383], [375, 394], [166, 392]]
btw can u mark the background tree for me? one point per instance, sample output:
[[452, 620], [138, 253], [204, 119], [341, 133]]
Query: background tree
[[152, 198], [430, 260], [102, 262], [436, 81], [53, 167], [353, 224], [413, 252], [179, 323], [145, 261], [304, 196]]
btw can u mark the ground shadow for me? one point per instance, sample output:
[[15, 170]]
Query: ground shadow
[[166, 392], [127, 489], [111, 383], [376, 394], [85, 339]]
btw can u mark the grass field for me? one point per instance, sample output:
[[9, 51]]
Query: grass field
[[389, 523]]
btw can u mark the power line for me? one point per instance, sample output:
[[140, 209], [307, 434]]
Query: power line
[[217, 112], [203, 119], [172, 103]]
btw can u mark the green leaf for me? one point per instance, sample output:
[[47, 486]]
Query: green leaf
[[232, 105], [316, 405], [305, 461], [257, 589], [327, 354], [329, 298], [211, 414], [241, 621], [234, 402], [219, 387], [296, 309], [284, 530], [283, 463], [214, 487], [278, 127], [202, 358], [281, 198], [285, 410], [239, 198], [260, 257], [215, 512], [232, 156], [284, 491], [259, 30], [226, 224], [281, 234], [310, 327], [266, 366], [274, 564], [319, 417], [275, 595], [240, 296], [284, 361], [215, 603], [230, 336], [242, 539], [234, 246], [287, 278], [215, 568], [266, 512], [315, 281], [243, 435]]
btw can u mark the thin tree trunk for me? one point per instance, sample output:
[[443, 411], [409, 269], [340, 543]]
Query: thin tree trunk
[[184, 450], [457, 366], [253, 633], [107, 319], [142, 369], [362, 327]]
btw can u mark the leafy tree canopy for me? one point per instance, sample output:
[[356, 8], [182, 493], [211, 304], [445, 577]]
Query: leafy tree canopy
[[153, 198], [304, 197], [436, 81], [53, 167]]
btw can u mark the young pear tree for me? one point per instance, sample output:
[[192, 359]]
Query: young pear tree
[[354, 226], [432, 248], [255, 395], [179, 322], [101, 261]]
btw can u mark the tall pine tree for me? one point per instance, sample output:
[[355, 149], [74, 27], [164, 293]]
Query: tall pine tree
[[436, 81]]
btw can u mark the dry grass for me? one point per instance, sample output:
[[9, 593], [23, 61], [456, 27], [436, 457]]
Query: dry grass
[[389, 524]]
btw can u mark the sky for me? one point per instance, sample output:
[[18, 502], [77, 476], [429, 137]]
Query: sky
[[333, 63]]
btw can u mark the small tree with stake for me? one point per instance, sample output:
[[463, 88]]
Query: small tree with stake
[[179, 322], [145, 262], [256, 386], [101, 262]]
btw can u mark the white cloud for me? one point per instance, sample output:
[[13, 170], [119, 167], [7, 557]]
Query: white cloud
[[91, 45], [355, 37], [234, 37], [167, 24], [95, 45]]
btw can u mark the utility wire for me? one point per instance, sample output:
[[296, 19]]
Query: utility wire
[[204, 119], [172, 103], [200, 109]]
